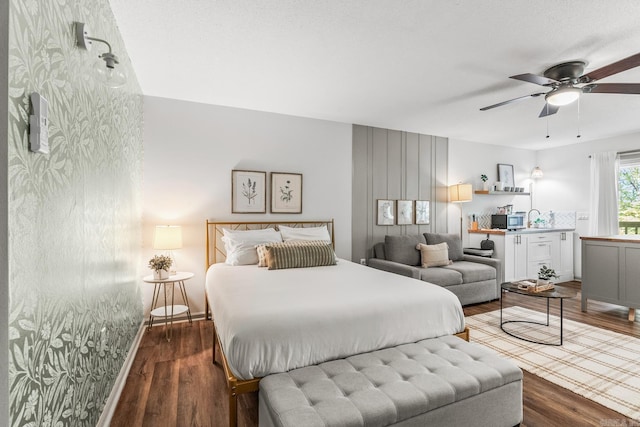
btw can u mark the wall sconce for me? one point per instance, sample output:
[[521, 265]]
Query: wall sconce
[[168, 237], [110, 75], [536, 173]]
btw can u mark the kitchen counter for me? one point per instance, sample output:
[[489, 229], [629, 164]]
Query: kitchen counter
[[501, 232], [623, 238]]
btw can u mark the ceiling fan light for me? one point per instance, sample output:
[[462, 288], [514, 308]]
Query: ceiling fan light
[[563, 96]]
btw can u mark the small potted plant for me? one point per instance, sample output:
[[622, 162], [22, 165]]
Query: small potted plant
[[545, 275], [160, 265], [485, 184]]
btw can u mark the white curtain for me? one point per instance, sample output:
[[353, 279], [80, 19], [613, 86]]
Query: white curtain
[[604, 195]]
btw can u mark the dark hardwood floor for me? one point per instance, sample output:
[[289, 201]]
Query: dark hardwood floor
[[175, 384]]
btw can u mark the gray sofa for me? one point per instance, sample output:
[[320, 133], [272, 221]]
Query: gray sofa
[[471, 278]]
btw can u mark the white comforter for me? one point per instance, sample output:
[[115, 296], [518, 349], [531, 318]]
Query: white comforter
[[273, 321]]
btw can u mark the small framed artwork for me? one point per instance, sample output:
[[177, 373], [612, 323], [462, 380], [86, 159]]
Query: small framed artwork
[[422, 212], [505, 175], [405, 212], [286, 192], [248, 191], [386, 212]]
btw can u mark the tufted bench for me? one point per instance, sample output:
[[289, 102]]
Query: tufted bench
[[441, 381]]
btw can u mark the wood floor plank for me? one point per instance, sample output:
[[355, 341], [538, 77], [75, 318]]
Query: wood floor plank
[[175, 384]]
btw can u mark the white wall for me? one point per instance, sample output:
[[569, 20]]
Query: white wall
[[565, 185], [468, 160], [190, 150]]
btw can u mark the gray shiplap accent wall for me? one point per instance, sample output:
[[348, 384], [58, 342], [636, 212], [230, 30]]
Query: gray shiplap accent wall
[[391, 164]]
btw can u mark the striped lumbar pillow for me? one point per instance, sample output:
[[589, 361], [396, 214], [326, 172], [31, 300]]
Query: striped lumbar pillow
[[299, 254]]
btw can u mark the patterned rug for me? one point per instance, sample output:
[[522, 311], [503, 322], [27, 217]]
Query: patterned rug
[[600, 365]]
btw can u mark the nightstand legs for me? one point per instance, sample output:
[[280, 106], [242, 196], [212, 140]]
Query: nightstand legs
[[169, 310]]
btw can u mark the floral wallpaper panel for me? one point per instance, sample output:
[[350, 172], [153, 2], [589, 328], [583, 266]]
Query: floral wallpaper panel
[[74, 217]]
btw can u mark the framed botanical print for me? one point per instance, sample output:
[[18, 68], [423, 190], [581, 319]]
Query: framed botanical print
[[248, 191], [422, 212], [404, 212], [286, 192], [386, 212], [505, 175]]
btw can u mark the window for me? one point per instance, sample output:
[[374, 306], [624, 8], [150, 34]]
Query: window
[[629, 193]]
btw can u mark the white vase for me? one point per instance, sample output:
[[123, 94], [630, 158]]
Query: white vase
[[485, 186], [160, 274], [543, 282]]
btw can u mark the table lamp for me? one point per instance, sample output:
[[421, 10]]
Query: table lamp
[[168, 237]]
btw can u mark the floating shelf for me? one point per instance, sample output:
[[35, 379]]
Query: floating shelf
[[502, 193]]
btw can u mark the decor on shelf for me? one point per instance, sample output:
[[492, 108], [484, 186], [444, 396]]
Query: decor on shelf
[[422, 211], [248, 191], [286, 192], [168, 238], [485, 185], [460, 193], [405, 212], [385, 211], [505, 175], [111, 76], [160, 264]]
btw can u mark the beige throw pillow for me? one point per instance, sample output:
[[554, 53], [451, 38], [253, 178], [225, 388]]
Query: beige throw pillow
[[434, 255]]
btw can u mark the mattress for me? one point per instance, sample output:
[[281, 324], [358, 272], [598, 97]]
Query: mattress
[[271, 321]]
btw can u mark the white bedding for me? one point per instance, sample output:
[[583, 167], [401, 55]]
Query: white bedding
[[273, 321]]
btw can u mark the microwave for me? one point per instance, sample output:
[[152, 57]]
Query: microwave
[[508, 222]]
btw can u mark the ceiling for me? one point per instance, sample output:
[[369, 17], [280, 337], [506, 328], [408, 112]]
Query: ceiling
[[422, 66]]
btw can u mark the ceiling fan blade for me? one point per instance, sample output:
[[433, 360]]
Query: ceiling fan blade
[[535, 79], [615, 68], [548, 110], [500, 104], [623, 88]]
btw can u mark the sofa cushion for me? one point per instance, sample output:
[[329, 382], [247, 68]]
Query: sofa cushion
[[441, 276], [473, 271], [453, 240], [378, 251], [434, 255], [402, 248]]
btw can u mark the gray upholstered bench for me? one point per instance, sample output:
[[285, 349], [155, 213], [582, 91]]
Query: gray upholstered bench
[[441, 381]]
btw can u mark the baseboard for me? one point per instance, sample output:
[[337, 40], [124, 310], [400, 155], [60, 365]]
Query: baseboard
[[116, 390]]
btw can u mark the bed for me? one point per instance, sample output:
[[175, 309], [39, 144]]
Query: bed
[[269, 321]]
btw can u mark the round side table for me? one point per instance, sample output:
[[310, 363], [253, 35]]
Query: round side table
[[169, 308]]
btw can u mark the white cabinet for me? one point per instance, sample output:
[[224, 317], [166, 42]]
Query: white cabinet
[[516, 254], [565, 270], [523, 254]]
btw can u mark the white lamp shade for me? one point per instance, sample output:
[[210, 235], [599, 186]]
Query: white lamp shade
[[536, 173], [167, 237], [459, 193]]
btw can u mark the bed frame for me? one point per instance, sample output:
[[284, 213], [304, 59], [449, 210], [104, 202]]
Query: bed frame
[[215, 253]]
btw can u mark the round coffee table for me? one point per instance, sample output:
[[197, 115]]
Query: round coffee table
[[558, 292]]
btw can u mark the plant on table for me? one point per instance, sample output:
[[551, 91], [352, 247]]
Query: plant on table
[[160, 262], [547, 273], [484, 178]]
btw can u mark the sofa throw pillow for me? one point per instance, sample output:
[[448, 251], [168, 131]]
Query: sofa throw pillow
[[453, 240], [402, 248], [434, 255], [299, 255]]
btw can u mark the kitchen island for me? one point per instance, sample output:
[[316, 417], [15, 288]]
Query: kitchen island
[[611, 271]]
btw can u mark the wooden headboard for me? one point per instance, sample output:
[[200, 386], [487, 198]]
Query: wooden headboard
[[215, 248]]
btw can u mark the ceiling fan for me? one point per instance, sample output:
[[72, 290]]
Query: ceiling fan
[[567, 83]]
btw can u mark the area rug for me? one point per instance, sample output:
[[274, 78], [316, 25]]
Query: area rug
[[600, 365]]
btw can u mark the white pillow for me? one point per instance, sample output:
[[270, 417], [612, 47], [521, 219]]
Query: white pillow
[[240, 246], [434, 255], [292, 234]]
